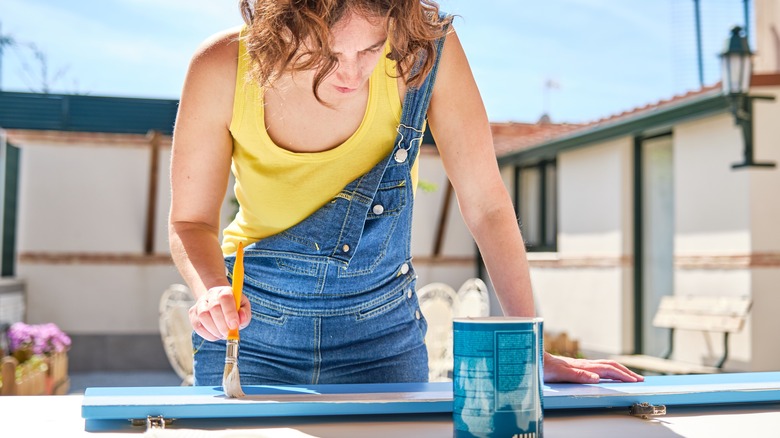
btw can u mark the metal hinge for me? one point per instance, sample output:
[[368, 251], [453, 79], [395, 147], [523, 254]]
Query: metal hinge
[[646, 410], [152, 422]]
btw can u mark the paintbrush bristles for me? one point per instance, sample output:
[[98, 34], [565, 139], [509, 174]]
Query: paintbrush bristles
[[231, 381]]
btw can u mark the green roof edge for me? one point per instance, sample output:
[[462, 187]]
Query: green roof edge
[[660, 117]]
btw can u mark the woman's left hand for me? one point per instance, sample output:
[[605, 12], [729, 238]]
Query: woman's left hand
[[559, 369]]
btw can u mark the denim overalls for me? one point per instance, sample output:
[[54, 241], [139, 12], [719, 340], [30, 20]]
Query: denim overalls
[[333, 297]]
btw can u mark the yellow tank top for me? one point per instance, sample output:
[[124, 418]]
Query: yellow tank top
[[276, 188]]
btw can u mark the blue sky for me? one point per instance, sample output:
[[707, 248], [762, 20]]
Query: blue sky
[[606, 56]]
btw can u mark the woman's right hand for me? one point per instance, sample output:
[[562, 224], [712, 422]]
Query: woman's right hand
[[214, 313], [200, 172]]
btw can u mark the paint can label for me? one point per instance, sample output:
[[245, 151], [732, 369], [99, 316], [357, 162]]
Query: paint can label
[[497, 377]]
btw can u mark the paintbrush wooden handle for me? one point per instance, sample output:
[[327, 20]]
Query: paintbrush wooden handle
[[238, 284]]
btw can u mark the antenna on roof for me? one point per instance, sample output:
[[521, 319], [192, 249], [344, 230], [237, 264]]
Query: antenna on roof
[[698, 30], [700, 61], [549, 84]]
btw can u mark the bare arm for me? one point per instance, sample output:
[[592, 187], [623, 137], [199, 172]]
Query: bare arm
[[200, 166], [460, 126], [462, 132]]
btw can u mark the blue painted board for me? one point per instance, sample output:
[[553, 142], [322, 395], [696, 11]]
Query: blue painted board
[[405, 398], [266, 401], [698, 389]]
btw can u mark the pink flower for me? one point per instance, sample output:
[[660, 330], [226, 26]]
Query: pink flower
[[40, 338]]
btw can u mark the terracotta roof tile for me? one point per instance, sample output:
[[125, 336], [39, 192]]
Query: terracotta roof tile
[[509, 137], [513, 136]]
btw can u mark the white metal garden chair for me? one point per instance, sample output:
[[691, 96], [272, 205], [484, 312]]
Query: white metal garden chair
[[473, 299], [438, 302], [441, 304], [176, 331]]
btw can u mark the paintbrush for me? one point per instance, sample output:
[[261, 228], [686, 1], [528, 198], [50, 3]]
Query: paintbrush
[[231, 381]]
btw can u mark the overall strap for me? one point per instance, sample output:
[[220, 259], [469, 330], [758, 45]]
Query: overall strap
[[415, 109], [362, 191]]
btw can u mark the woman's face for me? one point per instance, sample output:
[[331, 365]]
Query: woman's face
[[358, 43]]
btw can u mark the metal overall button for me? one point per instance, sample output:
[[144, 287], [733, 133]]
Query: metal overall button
[[345, 248], [405, 268], [402, 154], [378, 209]]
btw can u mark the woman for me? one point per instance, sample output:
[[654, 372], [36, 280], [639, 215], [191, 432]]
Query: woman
[[304, 103]]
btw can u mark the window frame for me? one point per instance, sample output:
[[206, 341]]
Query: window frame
[[539, 242]]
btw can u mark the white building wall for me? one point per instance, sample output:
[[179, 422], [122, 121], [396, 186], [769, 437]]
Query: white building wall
[[586, 303], [726, 239], [712, 219], [727, 220], [85, 200], [765, 225], [767, 29], [764, 323], [592, 197], [91, 198], [765, 183], [712, 214], [88, 198], [96, 299], [458, 248], [64, 192], [590, 300]]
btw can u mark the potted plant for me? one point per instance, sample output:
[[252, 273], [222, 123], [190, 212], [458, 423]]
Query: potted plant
[[37, 349]]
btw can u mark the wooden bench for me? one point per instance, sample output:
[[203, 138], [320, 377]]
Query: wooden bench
[[560, 344], [723, 315]]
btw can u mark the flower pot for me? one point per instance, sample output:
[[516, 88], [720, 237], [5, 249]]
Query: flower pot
[[57, 381], [28, 378]]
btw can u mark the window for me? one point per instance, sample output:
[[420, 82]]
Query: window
[[536, 205]]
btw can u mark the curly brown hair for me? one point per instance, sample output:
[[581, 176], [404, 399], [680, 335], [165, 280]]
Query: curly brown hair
[[294, 35]]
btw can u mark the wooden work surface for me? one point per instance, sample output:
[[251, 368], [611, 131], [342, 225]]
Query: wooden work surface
[[739, 403]]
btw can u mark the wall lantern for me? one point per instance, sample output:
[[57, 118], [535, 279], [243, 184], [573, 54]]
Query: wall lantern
[[737, 68]]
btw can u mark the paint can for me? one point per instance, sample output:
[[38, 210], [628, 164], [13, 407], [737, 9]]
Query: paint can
[[497, 377]]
